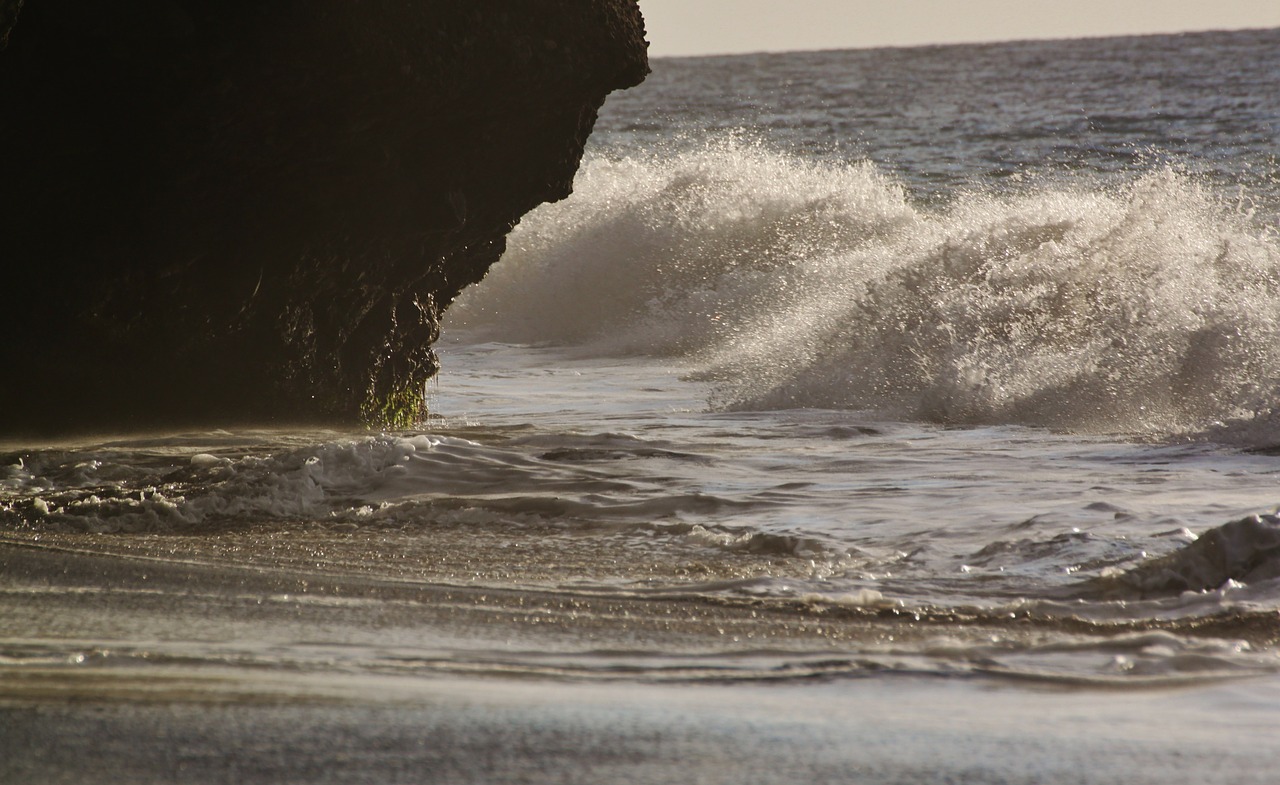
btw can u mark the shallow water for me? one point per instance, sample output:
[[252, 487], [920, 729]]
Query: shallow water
[[777, 537]]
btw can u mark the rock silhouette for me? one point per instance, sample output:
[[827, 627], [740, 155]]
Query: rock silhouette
[[226, 211]]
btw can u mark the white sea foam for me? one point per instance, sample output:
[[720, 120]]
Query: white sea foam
[[306, 483], [1150, 307]]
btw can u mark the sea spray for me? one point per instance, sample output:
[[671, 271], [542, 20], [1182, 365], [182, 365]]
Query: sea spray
[[1148, 307], [672, 256]]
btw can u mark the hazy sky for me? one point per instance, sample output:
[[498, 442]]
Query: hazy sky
[[682, 27]]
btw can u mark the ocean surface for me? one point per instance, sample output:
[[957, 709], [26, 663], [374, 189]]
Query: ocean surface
[[935, 385]]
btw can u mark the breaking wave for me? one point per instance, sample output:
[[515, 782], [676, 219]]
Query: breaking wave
[[1148, 308], [1240, 553]]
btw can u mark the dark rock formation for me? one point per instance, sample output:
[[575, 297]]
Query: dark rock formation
[[8, 15], [236, 210]]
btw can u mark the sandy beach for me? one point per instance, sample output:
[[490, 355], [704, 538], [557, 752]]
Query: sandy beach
[[147, 670], [243, 727]]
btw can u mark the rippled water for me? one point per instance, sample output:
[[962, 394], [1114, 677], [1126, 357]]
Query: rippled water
[[907, 545]]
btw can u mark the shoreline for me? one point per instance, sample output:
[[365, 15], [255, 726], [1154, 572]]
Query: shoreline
[[463, 730]]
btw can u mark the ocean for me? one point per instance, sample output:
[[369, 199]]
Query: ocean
[[876, 416]]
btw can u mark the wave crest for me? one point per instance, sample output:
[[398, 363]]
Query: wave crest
[[1145, 308]]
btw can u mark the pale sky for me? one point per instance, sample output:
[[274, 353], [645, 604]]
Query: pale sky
[[687, 27]]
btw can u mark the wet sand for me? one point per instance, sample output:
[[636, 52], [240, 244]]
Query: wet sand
[[125, 668], [493, 730]]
